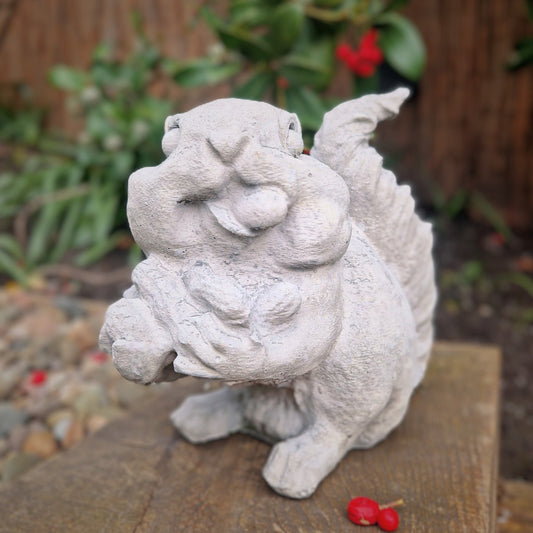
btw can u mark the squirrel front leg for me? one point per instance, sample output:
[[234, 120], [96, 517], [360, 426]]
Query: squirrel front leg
[[279, 343]]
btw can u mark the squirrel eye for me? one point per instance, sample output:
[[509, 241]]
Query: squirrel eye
[[172, 123], [292, 126]]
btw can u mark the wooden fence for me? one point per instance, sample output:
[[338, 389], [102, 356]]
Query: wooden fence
[[470, 126]]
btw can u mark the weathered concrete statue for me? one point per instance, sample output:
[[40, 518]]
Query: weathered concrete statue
[[306, 278]]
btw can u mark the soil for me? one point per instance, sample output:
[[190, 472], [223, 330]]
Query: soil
[[493, 306]]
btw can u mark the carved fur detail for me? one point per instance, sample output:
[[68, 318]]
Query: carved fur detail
[[306, 279], [384, 210]]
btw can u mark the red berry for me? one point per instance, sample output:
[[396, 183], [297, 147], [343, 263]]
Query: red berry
[[358, 65], [372, 54], [282, 83], [369, 39], [363, 511], [99, 357], [343, 51], [38, 377], [388, 519]]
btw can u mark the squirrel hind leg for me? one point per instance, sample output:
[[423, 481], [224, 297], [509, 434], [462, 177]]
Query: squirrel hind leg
[[271, 413], [385, 422], [209, 416]]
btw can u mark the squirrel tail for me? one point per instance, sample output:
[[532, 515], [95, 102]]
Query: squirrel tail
[[382, 208]]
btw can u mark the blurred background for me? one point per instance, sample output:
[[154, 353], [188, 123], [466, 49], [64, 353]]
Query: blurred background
[[84, 90]]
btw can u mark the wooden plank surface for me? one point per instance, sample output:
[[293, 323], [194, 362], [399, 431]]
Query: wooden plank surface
[[138, 475], [515, 507]]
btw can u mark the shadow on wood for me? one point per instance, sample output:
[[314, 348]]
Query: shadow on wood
[[138, 475]]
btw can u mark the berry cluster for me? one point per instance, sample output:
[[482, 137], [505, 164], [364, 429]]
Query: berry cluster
[[366, 512], [365, 59]]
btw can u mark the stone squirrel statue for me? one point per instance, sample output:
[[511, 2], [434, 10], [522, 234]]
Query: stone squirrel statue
[[303, 282]]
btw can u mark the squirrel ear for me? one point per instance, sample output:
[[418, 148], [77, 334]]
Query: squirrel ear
[[246, 213]]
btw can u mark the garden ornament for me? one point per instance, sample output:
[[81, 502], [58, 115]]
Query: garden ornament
[[305, 283]]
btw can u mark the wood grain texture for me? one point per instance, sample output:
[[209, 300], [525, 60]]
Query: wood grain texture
[[470, 125], [138, 475], [42, 34], [515, 507]]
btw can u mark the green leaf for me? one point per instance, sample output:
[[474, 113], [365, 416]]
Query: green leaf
[[307, 105], [239, 38], [394, 5], [103, 53], [402, 45], [254, 88], [67, 78], [11, 245], [328, 3], [122, 165], [521, 280], [46, 223], [313, 65], [522, 55], [68, 229], [98, 250], [135, 255], [366, 85], [285, 26], [204, 72], [11, 268], [212, 20], [492, 215], [244, 41], [249, 13], [103, 224]]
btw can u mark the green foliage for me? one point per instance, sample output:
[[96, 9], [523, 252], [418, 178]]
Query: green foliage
[[402, 45], [463, 202], [522, 55], [67, 196], [284, 50], [469, 274]]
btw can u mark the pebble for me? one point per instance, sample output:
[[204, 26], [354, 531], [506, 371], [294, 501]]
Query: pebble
[[70, 306], [10, 417], [78, 337], [74, 434], [17, 463], [18, 435], [40, 443], [40, 323], [10, 378], [92, 399], [60, 429], [58, 416], [4, 446], [102, 417], [96, 423], [83, 392]]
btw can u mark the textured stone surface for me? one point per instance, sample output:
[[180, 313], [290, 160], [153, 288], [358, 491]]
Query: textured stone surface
[[309, 276], [75, 393], [10, 417]]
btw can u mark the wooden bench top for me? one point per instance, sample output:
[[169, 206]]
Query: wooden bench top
[[138, 475]]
